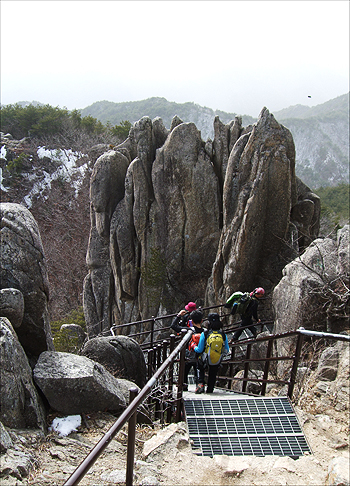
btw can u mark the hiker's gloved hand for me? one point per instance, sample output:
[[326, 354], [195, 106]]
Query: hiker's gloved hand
[[227, 306]]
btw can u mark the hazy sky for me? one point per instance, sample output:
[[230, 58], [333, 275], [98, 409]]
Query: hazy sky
[[236, 56]]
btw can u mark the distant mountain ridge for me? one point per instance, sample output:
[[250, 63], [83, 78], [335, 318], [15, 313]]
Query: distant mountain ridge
[[203, 117], [321, 133], [335, 107]]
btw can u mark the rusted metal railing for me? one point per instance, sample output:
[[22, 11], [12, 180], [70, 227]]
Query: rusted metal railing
[[90, 459], [159, 361], [246, 360]]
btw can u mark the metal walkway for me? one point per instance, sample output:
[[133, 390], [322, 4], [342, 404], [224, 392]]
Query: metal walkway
[[239, 425]]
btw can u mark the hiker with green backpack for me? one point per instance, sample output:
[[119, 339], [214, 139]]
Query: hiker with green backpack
[[212, 346], [246, 305]]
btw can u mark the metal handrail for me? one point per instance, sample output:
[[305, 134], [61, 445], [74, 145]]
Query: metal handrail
[[130, 411], [90, 459], [152, 320]]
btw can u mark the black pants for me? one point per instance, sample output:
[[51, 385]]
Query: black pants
[[248, 321], [212, 372]]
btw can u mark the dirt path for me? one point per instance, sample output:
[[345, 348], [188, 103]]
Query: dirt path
[[56, 457]]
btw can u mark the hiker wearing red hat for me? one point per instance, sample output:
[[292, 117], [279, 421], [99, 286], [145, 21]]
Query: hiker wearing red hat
[[191, 306], [182, 318], [190, 317], [248, 310]]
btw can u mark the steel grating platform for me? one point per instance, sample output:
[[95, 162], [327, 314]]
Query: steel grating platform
[[243, 425]]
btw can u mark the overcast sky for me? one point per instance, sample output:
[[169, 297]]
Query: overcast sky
[[235, 56]]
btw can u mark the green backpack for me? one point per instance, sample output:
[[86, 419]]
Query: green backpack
[[239, 302], [213, 347]]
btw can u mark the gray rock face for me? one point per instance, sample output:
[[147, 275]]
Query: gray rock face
[[5, 439], [259, 223], [17, 464], [338, 472], [20, 404], [120, 355], [311, 293], [327, 368], [23, 268], [343, 241], [75, 384], [174, 218], [299, 297], [12, 306], [74, 332]]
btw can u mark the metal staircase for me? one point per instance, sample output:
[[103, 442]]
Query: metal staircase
[[236, 424]]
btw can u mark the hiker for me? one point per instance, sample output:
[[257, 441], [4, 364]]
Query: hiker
[[195, 323], [213, 344], [247, 307], [182, 318]]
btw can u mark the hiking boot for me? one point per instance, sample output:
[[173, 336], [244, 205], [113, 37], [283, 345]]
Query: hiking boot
[[200, 389]]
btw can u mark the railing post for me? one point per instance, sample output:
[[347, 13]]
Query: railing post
[[267, 366], [152, 331], [180, 380], [293, 373], [164, 353], [246, 368], [131, 442], [233, 351], [149, 363], [159, 356], [171, 377], [93, 455]]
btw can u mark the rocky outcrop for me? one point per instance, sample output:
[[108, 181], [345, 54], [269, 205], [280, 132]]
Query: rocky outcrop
[[20, 403], [12, 306], [313, 293], [75, 384], [120, 355], [73, 333], [174, 218], [23, 269], [260, 226]]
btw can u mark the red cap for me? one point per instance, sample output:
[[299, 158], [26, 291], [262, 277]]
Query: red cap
[[191, 306], [259, 292]]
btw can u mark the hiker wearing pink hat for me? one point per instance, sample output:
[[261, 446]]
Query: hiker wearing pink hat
[[189, 318], [191, 306]]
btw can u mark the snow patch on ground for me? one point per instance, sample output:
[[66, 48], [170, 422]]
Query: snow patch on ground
[[65, 425], [67, 172], [3, 153]]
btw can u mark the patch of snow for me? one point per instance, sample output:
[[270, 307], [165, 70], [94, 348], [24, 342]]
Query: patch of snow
[[64, 157], [3, 152], [67, 172], [3, 188], [65, 425]]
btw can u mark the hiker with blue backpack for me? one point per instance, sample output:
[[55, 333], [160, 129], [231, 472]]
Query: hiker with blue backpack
[[246, 305], [212, 346]]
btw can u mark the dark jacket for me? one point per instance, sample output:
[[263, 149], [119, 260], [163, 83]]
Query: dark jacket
[[180, 322], [252, 309]]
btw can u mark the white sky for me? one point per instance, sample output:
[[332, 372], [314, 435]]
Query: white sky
[[236, 56]]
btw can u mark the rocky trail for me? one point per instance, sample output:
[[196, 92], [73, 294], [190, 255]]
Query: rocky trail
[[163, 456]]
